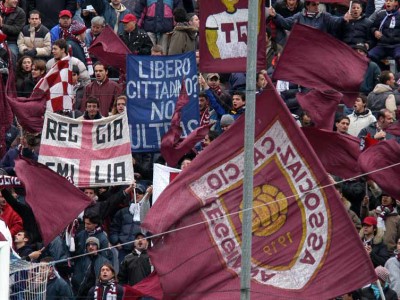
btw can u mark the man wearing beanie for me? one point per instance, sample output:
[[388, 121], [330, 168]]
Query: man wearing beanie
[[87, 268], [373, 291]]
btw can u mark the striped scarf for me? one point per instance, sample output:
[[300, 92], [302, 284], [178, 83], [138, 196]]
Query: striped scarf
[[108, 289]]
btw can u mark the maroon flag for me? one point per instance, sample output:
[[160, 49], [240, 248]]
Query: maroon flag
[[110, 49], [29, 111], [321, 106], [7, 182], [172, 149], [382, 162], [55, 201], [315, 59], [6, 117], [150, 287], [223, 36], [301, 231], [394, 129], [337, 152]]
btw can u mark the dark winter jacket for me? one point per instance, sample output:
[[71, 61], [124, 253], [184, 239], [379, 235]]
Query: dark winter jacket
[[80, 243], [86, 271], [123, 229], [13, 24], [357, 31], [134, 268], [379, 251], [137, 41], [390, 36], [58, 289], [156, 16], [368, 294]]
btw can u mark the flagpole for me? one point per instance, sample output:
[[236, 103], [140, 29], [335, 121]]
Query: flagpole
[[245, 278]]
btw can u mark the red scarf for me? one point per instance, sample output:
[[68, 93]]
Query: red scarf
[[6, 10]]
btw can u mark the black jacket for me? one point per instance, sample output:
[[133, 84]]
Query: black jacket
[[134, 268], [357, 31], [137, 41]]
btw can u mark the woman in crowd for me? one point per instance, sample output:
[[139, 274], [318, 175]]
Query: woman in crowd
[[38, 70], [24, 82], [119, 105]]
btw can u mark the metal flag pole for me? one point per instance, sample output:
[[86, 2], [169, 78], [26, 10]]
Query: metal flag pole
[[249, 149]]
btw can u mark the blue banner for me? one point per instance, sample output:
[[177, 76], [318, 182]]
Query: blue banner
[[153, 86]]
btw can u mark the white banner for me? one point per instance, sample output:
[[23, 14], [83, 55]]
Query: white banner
[[162, 176], [91, 152]]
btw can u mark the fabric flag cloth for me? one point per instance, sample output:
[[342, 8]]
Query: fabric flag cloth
[[93, 153], [57, 86], [28, 111], [9, 182], [337, 152], [315, 59], [301, 231], [162, 176], [223, 36], [6, 117], [172, 148], [394, 128], [110, 49], [321, 106], [150, 287], [385, 157], [55, 202]]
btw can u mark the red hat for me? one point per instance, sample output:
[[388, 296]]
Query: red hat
[[128, 18], [65, 13], [370, 221]]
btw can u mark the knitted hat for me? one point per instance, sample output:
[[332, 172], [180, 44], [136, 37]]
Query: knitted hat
[[93, 240], [382, 273], [140, 188], [77, 28], [361, 46], [226, 120]]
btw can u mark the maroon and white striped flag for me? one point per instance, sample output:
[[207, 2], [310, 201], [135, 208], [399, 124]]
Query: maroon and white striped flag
[[57, 86]]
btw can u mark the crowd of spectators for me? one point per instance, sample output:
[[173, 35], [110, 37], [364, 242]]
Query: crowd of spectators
[[40, 33]]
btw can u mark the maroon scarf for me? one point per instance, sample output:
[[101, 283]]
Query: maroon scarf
[[6, 10]]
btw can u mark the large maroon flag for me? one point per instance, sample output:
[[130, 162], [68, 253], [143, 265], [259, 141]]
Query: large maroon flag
[[29, 111], [5, 119], [337, 152], [321, 106], [302, 235], [110, 49], [150, 287], [55, 201], [315, 59], [382, 161], [394, 128], [172, 148], [223, 36]]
